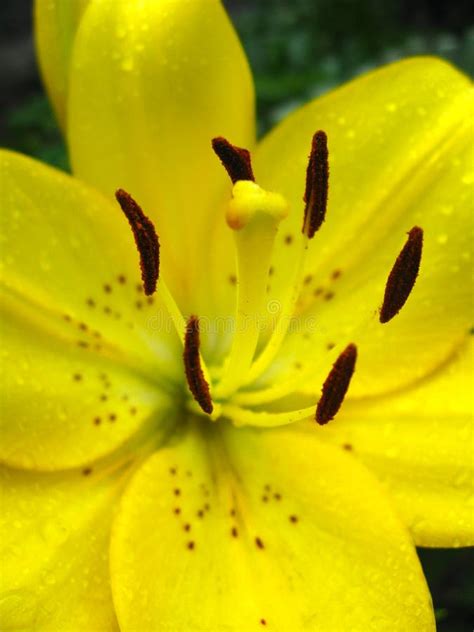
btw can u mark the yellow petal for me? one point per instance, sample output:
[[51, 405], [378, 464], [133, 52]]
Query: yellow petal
[[61, 407], [69, 252], [151, 84], [55, 530], [239, 530], [400, 150], [56, 23], [76, 348], [420, 444]]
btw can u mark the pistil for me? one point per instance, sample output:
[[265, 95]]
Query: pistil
[[254, 216]]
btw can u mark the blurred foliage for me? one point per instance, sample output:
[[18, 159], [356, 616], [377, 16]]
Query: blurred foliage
[[299, 49], [303, 48], [32, 129]]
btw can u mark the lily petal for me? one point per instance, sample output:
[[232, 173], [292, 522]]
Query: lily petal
[[151, 84], [420, 444], [72, 333], [400, 148], [54, 536], [238, 530], [56, 24], [68, 251]]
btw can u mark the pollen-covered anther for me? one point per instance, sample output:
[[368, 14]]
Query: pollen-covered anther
[[336, 385], [403, 275], [146, 240], [192, 366], [317, 184], [236, 160]]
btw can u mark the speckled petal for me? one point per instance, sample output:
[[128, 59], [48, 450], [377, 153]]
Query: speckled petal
[[420, 444], [247, 530], [54, 538], [400, 149], [85, 356]]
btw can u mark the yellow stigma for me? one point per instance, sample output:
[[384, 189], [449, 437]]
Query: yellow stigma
[[248, 200]]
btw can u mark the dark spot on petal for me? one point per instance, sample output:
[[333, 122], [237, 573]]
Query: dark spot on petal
[[177, 511], [329, 296], [87, 471], [107, 288], [83, 344], [112, 417], [308, 278], [277, 496], [347, 446], [97, 421], [133, 410], [77, 377], [233, 279], [90, 302], [294, 519], [330, 345], [103, 397], [121, 279], [200, 514], [234, 532], [263, 622], [336, 274], [259, 543], [187, 527], [173, 471], [318, 291], [191, 545], [138, 304], [177, 492], [288, 239]]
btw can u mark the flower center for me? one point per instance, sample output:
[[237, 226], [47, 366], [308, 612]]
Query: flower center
[[254, 216]]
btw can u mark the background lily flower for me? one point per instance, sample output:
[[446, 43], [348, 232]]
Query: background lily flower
[[124, 507]]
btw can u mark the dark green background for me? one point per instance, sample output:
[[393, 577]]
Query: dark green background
[[298, 49]]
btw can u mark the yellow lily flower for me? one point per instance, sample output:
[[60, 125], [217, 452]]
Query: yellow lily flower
[[147, 488]]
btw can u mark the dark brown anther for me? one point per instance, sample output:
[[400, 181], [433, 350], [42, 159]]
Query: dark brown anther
[[192, 366], [236, 160], [146, 240], [317, 184], [336, 385], [403, 275]]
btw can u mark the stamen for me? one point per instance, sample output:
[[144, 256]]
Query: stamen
[[146, 240], [236, 160], [336, 385], [402, 276], [193, 369], [317, 183]]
